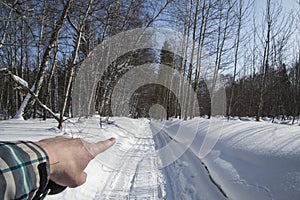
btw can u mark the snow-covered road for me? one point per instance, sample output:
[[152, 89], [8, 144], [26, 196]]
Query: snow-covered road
[[136, 175], [187, 177], [129, 170], [251, 160], [134, 168]]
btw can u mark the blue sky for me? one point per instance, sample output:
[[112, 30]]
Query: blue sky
[[286, 4], [288, 7]]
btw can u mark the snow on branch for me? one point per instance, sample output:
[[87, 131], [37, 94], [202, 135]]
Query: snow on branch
[[3, 69], [20, 81], [24, 85]]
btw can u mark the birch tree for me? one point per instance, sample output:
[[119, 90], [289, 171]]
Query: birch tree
[[278, 28], [240, 15], [224, 26], [27, 106], [79, 31]]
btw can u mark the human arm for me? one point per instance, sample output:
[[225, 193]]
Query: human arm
[[24, 170], [29, 170]]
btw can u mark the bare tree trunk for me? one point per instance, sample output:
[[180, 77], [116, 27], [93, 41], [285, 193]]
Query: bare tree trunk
[[49, 82], [296, 92], [265, 64], [222, 37], [240, 16], [183, 91], [189, 103], [206, 8], [41, 74], [6, 27], [73, 63]]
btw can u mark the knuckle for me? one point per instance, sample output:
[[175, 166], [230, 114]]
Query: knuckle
[[77, 182]]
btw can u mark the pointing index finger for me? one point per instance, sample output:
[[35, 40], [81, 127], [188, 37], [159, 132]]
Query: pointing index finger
[[99, 147]]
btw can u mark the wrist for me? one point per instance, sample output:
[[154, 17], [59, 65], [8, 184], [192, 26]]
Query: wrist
[[51, 156]]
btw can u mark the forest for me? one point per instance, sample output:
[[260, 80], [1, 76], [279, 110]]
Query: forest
[[253, 49]]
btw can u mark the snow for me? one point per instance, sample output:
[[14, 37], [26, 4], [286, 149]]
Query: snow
[[21, 81], [20, 112], [3, 69], [165, 159]]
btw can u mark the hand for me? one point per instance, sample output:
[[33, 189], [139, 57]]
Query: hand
[[69, 157]]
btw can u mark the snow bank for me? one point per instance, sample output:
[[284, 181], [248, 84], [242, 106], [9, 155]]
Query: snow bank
[[257, 160], [252, 160]]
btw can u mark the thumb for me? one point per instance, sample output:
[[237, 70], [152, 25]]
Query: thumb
[[99, 147]]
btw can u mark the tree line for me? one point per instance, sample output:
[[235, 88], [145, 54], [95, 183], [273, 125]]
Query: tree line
[[44, 43]]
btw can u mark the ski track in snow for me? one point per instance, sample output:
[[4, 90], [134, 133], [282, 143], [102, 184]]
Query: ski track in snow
[[186, 177], [142, 182], [250, 161], [134, 176]]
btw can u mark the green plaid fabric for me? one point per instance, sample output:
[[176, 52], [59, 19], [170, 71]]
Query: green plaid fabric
[[24, 171]]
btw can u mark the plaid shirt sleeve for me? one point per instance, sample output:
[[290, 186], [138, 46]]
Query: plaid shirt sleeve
[[24, 171]]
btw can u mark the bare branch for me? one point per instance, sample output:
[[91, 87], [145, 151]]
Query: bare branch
[[16, 80], [158, 13]]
